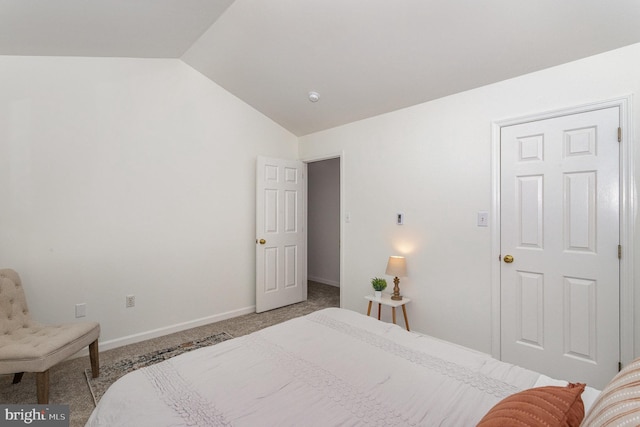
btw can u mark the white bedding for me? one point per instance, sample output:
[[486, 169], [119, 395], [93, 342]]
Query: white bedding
[[333, 367]]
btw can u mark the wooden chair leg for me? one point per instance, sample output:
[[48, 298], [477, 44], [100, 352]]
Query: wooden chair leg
[[17, 377], [95, 359], [42, 387]]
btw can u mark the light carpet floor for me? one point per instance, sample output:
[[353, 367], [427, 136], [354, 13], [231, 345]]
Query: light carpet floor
[[68, 384]]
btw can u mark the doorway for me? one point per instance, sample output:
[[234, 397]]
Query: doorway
[[323, 222]]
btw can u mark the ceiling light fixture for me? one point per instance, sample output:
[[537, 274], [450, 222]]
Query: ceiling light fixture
[[314, 96]]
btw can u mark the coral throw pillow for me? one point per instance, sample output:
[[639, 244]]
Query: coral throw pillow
[[540, 406]]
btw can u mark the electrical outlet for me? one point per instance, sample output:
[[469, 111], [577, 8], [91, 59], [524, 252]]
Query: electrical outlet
[[131, 301], [81, 310]]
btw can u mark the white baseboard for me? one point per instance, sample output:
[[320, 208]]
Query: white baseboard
[[324, 281], [142, 336]]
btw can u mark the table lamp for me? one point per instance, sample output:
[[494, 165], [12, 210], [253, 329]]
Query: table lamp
[[396, 267]]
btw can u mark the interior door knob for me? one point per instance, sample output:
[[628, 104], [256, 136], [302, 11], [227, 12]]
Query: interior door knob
[[508, 259], [262, 241]]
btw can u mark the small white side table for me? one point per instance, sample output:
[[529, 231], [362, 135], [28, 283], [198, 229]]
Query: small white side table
[[386, 300]]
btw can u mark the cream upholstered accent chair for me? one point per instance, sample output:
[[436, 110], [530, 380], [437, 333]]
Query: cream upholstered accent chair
[[29, 346]]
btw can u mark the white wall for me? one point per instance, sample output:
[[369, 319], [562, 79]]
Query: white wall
[[323, 221], [129, 176], [136, 176], [433, 162]]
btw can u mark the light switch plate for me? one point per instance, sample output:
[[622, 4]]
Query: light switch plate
[[483, 219]]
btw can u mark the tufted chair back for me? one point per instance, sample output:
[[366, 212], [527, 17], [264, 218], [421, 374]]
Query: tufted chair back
[[30, 346], [14, 313]]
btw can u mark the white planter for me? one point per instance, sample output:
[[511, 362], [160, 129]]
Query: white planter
[[378, 294]]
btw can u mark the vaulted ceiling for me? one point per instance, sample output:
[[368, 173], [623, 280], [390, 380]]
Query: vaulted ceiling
[[364, 57]]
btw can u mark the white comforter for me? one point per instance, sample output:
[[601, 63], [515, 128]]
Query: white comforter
[[333, 367]]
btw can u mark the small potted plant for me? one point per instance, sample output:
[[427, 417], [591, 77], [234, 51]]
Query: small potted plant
[[379, 285]]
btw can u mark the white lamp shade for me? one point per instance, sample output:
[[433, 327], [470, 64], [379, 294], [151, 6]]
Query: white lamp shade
[[397, 266]]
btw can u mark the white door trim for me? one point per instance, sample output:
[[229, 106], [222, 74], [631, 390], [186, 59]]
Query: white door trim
[[627, 215], [338, 155]]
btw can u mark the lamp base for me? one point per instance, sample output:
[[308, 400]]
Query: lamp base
[[396, 290]]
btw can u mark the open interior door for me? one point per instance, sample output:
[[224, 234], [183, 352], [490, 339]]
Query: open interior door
[[281, 240]]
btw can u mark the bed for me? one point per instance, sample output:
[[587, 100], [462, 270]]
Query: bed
[[329, 368]]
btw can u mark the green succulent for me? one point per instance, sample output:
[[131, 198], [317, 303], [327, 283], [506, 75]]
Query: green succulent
[[378, 284]]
